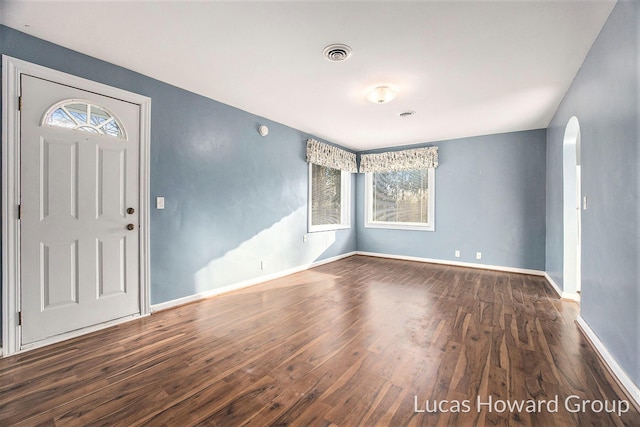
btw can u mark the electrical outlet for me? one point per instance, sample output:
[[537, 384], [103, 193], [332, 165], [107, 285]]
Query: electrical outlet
[[304, 238], [478, 255], [457, 254], [159, 202]]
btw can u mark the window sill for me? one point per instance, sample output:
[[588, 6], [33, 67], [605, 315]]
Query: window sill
[[332, 227], [400, 226]]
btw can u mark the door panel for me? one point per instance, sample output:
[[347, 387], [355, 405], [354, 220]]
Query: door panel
[[59, 177], [79, 262], [111, 182], [59, 273], [112, 266]]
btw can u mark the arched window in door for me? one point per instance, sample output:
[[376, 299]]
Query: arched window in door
[[84, 116]]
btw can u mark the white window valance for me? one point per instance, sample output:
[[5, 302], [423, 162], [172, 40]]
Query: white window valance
[[330, 156], [390, 161]]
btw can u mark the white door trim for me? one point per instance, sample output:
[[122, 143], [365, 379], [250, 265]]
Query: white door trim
[[12, 69]]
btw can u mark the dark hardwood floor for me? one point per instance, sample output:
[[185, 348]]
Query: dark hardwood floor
[[361, 341]]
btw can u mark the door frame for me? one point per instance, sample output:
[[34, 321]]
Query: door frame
[[12, 69], [571, 211]]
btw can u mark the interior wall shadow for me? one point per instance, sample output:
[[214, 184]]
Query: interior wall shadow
[[225, 186]]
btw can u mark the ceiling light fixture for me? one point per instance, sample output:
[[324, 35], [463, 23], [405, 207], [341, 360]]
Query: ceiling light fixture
[[381, 95]]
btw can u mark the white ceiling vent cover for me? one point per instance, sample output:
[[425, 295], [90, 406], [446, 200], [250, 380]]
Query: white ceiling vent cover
[[337, 52]]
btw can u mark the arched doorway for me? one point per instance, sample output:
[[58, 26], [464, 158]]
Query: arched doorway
[[571, 208]]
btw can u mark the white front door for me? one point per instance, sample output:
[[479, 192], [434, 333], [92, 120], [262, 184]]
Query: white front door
[[79, 213]]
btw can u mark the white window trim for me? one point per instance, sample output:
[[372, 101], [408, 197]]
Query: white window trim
[[368, 205], [345, 204]]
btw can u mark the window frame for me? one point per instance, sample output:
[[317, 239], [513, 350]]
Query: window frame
[[97, 130], [417, 226], [345, 204]]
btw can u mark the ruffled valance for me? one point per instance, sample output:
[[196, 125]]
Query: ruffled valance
[[330, 156], [390, 161]]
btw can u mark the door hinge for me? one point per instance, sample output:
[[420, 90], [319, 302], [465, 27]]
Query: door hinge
[[19, 211], [20, 103], [19, 318]]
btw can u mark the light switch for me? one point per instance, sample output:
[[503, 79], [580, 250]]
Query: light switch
[[159, 202]]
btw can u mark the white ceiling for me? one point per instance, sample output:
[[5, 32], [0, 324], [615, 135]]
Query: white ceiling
[[466, 68]]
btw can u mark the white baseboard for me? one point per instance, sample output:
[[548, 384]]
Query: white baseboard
[[455, 263], [572, 296], [553, 284], [244, 284], [618, 373]]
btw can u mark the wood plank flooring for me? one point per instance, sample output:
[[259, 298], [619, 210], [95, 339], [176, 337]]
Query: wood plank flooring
[[361, 341]]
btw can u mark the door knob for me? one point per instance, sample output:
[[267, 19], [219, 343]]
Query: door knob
[[130, 211], [130, 226]]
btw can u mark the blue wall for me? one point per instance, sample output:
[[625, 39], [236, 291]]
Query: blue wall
[[490, 198], [233, 198], [605, 98]]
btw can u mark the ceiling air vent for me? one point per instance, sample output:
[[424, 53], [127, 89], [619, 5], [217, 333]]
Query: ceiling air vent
[[405, 114], [337, 52]]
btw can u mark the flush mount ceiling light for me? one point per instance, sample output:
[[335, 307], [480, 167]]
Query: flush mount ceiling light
[[263, 130], [381, 95], [337, 52]]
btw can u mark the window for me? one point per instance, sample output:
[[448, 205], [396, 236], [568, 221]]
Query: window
[[85, 117], [329, 190], [400, 199]]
